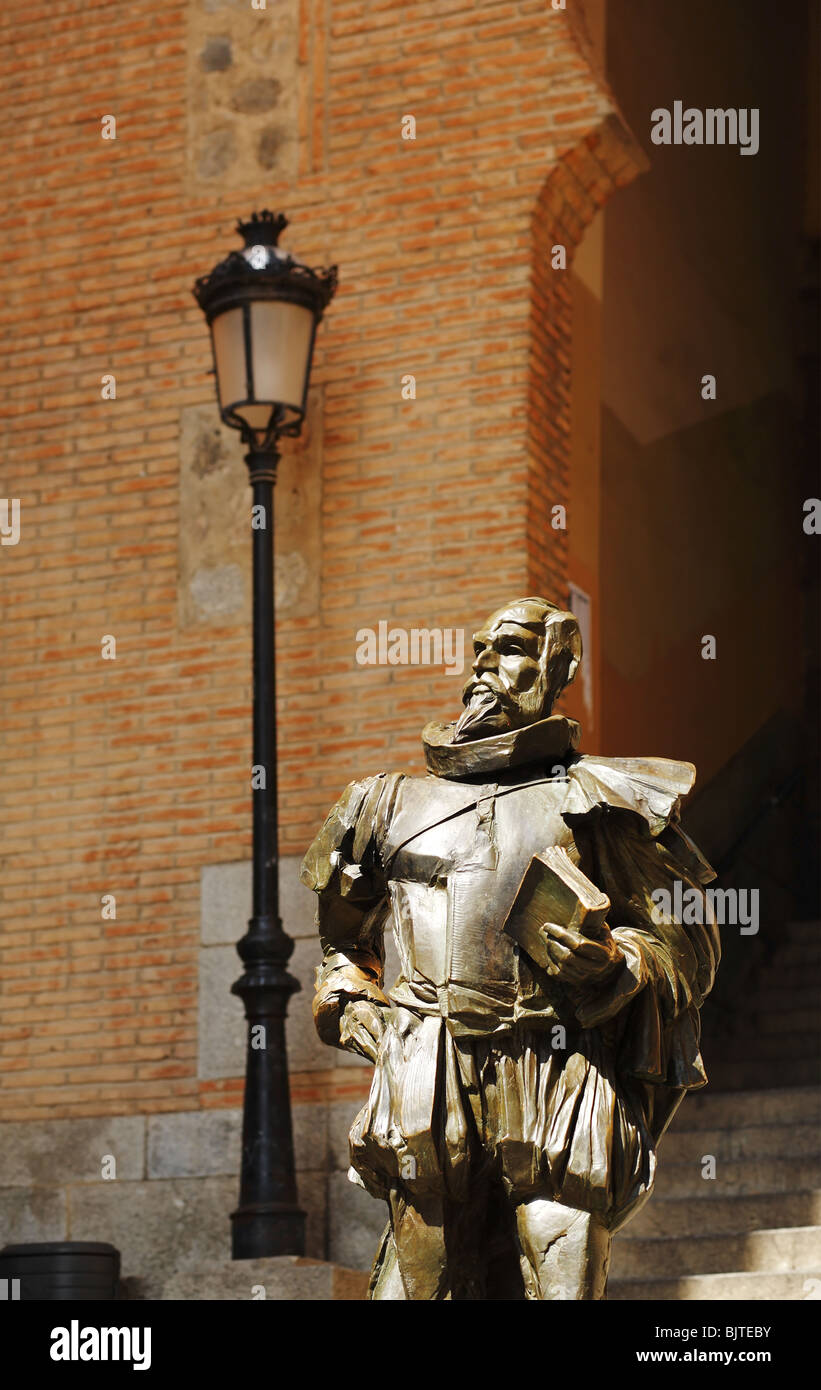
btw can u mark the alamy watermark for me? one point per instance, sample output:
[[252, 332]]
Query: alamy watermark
[[734, 907], [733, 125], [415, 646], [76, 1343], [9, 520]]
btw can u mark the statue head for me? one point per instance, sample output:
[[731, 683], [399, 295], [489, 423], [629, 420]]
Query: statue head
[[524, 656]]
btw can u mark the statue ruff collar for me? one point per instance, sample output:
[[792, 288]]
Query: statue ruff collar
[[547, 739], [650, 787]]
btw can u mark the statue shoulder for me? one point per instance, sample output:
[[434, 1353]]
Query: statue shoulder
[[650, 787], [366, 791], [354, 823]]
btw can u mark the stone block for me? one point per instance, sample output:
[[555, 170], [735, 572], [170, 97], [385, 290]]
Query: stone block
[[194, 1144], [217, 590], [222, 1029], [159, 1227], [216, 55], [207, 1143], [32, 1214], [355, 1223], [341, 1115], [312, 1195], [235, 85], [297, 904], [56, 1152], [214, 545], [225, 901], [310, 1123], [225, 904]]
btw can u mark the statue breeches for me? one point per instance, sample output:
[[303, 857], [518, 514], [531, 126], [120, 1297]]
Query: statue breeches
[[536, 1119]]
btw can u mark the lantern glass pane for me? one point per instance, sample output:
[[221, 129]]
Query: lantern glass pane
[[257, 416], [229, 357], [281, 336]]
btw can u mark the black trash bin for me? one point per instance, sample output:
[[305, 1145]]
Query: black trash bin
[[79, 1271]]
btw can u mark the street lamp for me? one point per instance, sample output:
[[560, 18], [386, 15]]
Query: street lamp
[[263, 307]]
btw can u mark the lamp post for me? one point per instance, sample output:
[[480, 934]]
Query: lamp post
[[263, 307]]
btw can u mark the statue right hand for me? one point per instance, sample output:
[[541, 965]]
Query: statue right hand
[[361, 1027]]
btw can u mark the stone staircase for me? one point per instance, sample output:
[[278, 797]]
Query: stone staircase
[[754, 1230], [774, 1037], [751, 1232]]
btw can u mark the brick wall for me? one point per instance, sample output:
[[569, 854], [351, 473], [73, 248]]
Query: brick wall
[[129, 776]]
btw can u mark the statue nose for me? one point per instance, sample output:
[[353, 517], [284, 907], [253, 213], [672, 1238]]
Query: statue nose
[[486, 661]]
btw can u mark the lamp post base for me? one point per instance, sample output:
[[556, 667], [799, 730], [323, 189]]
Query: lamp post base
[[272, 1228], [267, 1220]]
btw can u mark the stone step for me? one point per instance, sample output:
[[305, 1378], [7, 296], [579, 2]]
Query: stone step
[[791, 1020], [283, 1278], [692, 1216], [743, 1141], [792, 954], [803, 931], [737, 1178], [789, 977], [785, 981], [766, 1076], [753, 1287], [764, 1046], [709, 1109], [777, 1251], [804, 996]]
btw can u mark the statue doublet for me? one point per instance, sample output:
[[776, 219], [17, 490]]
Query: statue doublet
[[469, 1073]]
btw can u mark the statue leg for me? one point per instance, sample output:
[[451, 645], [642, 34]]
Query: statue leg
[[432, 1250], [386, 1281], [564, 1253], [412, 1260]]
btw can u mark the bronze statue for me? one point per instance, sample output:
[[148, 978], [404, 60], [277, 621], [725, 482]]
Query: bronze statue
[[518, 1095]]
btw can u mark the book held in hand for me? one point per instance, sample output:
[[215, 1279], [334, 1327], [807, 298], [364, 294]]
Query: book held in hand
[[554, 889]]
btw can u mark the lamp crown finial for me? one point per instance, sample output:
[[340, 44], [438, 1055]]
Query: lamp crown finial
[[262, 228]]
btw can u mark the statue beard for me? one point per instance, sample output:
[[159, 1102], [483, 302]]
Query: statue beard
[[491, 709]]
